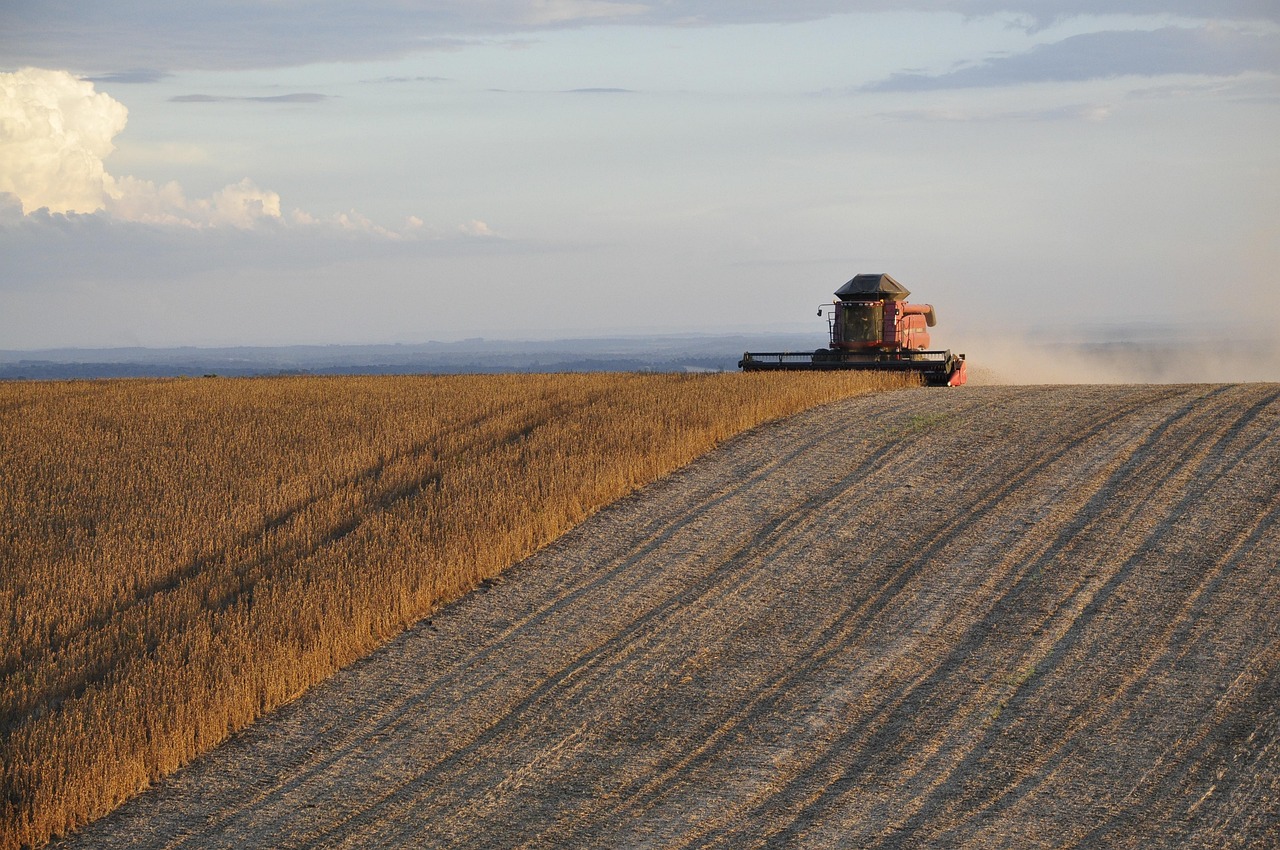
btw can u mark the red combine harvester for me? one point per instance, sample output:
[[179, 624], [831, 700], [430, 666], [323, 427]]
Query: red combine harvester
[[873, 327]]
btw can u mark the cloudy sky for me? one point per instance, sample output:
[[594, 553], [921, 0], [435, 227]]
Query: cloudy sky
[[317, 171]]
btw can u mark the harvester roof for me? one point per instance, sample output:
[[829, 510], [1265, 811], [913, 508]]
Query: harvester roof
[[872, 287]]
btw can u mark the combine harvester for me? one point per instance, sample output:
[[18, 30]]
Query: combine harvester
[[873, 327]]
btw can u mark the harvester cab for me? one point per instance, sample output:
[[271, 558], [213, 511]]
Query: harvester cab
[[871, 326]]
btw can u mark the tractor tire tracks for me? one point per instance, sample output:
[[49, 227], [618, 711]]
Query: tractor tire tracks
[[993, 617]]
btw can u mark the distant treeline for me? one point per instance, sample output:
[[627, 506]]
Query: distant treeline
[[689, 353], [47, 370]]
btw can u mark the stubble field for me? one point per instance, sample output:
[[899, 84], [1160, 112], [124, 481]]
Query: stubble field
[[995, 617], [179, 557]]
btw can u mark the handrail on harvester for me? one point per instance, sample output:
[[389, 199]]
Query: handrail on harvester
[[839, 359]]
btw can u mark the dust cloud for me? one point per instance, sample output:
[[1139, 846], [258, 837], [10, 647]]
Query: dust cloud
[[1121, 362]]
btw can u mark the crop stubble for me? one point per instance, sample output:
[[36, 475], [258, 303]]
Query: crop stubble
[[178, 557], [998, 617]]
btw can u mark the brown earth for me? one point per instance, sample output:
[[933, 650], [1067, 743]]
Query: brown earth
[[989, 617]]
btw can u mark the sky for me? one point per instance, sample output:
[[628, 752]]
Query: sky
[[273, 172]]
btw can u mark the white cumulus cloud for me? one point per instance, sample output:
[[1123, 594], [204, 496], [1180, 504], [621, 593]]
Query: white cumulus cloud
[[55, 133], [241, 204]]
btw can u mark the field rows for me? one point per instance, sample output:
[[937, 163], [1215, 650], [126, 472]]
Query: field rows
[[179, 557], [1002, 617]]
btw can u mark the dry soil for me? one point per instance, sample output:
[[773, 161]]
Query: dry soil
[[988, 617]]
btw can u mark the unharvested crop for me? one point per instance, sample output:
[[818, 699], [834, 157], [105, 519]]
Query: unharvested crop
[[179, 557]]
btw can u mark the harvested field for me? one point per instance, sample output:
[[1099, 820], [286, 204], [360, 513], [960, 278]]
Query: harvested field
[[994, 617], [178, 558]]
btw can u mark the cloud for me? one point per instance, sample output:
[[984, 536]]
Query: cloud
[[419, 79], [136, 75], [244, 34], [1042, 13], [225, 34], [296, 97], [10, 209], [962, 115], [56, 131], [242, 205], [544, 12], [1211, 50], [475, 227]]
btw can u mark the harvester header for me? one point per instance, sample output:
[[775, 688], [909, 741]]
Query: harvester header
[[872, 326]]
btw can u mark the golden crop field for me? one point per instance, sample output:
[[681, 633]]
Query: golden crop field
[[179, 557]]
